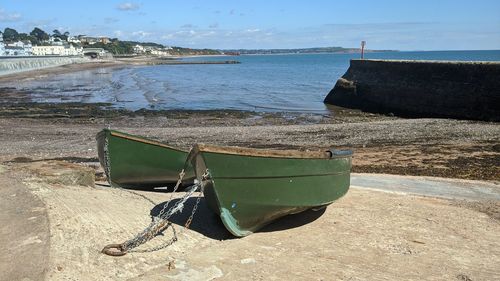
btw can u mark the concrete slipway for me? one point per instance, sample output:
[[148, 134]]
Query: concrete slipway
[[55, 232]]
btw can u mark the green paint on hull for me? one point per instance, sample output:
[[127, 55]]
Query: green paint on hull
[[137, 162], [248, 192]]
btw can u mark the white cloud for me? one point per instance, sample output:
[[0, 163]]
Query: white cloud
[[9, 17], [141, 33], [190, 36], [41, 23], [188, 25], [167, 36], [110, 20], [128, 6], [402, 36]]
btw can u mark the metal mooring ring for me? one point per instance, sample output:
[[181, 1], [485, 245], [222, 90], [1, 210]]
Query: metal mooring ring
[[114, 250]]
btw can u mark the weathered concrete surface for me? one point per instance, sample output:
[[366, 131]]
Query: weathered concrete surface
[[429, 186], [24, 231], [61, 172], [462, 90], [366, 235], [9, 65]]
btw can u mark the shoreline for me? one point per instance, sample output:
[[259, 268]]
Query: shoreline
[[32, 74], [383, 144], [417, 147], [118, 62], [16, 103]]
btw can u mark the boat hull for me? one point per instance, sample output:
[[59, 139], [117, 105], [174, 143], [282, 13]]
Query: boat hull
[[248, 192], [139, 163]]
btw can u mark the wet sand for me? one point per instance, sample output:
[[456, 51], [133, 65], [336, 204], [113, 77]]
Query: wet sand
[[420, 147]]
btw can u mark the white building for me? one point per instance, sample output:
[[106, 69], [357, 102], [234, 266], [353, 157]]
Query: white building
[[16, 44], [70, 50], [47, 50], [28, 48], [160, 52], [88, 40], [64, 50], [14, 51], [139, 49], [74, 39], [18, 48], [56, 41], [2, 46]]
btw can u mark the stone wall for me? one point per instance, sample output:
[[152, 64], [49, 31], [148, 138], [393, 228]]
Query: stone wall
[[9, 65], [462, 90]]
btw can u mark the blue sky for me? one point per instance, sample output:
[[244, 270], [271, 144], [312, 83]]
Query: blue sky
[[384, 24]]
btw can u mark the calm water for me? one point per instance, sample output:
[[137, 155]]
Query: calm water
[[259, 83]]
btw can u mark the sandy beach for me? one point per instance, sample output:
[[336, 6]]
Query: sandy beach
[[59, 226]]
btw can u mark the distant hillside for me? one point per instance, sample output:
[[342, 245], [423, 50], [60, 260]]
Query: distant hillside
[[300, 51], [180, 51]]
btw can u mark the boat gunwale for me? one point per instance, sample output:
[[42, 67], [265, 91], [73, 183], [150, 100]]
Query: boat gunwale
[[284, 176], [269, 153], [143, 140]]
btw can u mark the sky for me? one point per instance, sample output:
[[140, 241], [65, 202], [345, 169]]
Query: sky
[[384, 24]]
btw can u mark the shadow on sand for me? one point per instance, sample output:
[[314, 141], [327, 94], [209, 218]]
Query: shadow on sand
[[210, 225]]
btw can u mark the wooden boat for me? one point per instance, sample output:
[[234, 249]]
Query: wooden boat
[[249, 188], [136, 162]]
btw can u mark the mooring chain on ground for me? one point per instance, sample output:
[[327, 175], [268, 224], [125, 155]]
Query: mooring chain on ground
[[107, 160], [107, 172], [160, 222]]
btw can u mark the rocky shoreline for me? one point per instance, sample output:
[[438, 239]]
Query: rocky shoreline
[[429, 147]]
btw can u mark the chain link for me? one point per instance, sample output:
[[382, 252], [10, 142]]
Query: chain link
[[107, 161], [161, 222]]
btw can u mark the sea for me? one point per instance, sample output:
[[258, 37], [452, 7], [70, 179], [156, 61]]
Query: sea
[[261, 83]]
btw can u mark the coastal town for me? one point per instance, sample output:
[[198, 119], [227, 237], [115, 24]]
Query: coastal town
[[40, 43]]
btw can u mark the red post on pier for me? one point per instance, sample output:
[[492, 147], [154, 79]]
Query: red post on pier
[[363, 43]]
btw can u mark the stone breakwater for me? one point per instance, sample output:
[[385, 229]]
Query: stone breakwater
[[9, 65], [445, 89]]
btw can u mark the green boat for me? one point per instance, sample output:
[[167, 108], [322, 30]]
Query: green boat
[[249, 188], [136, 162]]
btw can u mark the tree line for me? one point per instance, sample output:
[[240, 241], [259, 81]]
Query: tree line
[[37, 36]]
